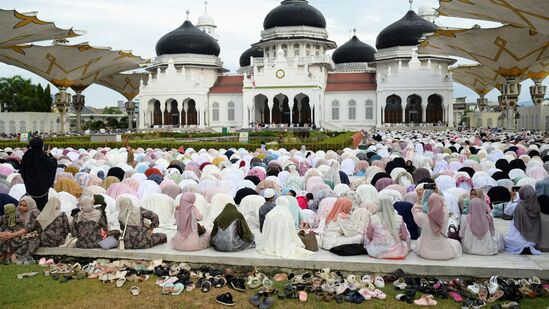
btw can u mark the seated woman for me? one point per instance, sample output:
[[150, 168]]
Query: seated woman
[[477, 232], [21, 235], [280, 236], [230, 231], [188, 236], [433, 244], [387, 236], [525, 228], [87, 225], [54, 224], [338, 230], [137, 235]]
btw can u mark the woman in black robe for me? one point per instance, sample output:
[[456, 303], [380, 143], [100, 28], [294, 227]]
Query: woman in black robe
[[38, 171]]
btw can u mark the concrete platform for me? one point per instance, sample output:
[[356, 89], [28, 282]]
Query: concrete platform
[[504, 264]]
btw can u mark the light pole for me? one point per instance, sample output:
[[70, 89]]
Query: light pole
[[130, 108], [78, 101], [62, 101]]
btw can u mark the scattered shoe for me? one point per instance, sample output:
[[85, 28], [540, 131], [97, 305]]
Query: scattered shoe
[[26, 275], [135, 290], [225, 299]]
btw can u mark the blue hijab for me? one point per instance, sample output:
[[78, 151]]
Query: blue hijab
[[6, 199]]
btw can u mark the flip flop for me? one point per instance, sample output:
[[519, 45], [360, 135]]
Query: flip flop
[[168, 288], [135, 290], [303, 296], [26, 275], [497, 295], [178, 289], [120, 282]]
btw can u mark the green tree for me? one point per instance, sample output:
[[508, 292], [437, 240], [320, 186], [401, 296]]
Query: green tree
[[21, 95], [112, 111], [112, 123]]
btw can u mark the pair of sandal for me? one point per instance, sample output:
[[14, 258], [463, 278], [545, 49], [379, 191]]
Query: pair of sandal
[[426, 300], [259, 279], [173, 289], [261, 301]]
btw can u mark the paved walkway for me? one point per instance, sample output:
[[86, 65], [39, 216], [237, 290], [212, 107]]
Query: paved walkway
[[504, 264]]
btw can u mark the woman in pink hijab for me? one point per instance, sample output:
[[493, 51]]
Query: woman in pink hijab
[[433, 243], [189, 236], [117, 189], [477, 232]]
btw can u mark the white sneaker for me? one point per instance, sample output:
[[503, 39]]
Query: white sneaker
[[379, 282], [474, 288]]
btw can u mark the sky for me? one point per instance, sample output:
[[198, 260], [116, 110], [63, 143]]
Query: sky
[[138, 24]]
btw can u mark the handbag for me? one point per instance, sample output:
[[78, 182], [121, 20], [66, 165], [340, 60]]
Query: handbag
[[121, 245], [70, 242], [200, 229], [453, 233], [108, 243], [309, 240]]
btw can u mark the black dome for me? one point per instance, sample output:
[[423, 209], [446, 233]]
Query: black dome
[[250, 52], [405, 32], [294, 13], [354, 51], [187, 39]]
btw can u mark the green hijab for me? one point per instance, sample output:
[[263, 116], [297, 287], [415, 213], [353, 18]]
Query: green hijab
[[10, 211], [226, 217]]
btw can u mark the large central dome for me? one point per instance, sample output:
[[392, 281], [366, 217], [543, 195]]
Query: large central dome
[[405, 32], [294, 13], [354, 51], [187, 39]]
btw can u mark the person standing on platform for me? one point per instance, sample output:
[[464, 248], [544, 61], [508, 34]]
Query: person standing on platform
[[38, 171]]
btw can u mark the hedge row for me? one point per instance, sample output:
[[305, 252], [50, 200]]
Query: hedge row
[[336, 143]]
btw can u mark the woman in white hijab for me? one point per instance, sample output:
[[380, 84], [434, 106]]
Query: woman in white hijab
[[163, 206], [387, 236], [217, 205], [147, 188], [280, 236], [88, 224], [137, 235], [54, 223], [368, 193], [249, 207]]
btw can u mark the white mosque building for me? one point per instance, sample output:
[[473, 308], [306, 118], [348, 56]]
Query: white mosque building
[[287, 79]]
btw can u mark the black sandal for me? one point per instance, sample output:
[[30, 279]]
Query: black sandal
[[225, 299], [205, 286]]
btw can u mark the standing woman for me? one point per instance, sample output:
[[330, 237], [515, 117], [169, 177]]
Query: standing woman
[[38, 171], [525, 229], [87, 225], [137, 235], [188, 236], [387, 236], [433, 244], [54, 223]]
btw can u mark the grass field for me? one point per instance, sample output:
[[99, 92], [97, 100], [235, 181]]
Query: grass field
[[44, 292]]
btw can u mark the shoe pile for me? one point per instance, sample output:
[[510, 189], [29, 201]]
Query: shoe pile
[[470, 293], [178, 277], [324, 285]]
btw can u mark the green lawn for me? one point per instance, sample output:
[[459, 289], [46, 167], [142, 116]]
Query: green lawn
[[44, 292]]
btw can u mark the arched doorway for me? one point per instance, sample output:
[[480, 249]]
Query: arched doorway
[[281, 110], [413, 109], [192, 114], [157, 113], [434, 109], [262, 113], [174, 112], [301, 110], [393, 109]]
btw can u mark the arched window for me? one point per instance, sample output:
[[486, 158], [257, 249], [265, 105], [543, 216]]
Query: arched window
[[230, 114], [285, 49], [13, 129], [352, 110], [215, 111], [335, 110], [296, 50], [2, 126], [369, 110], [42, 126], [22, 126]]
